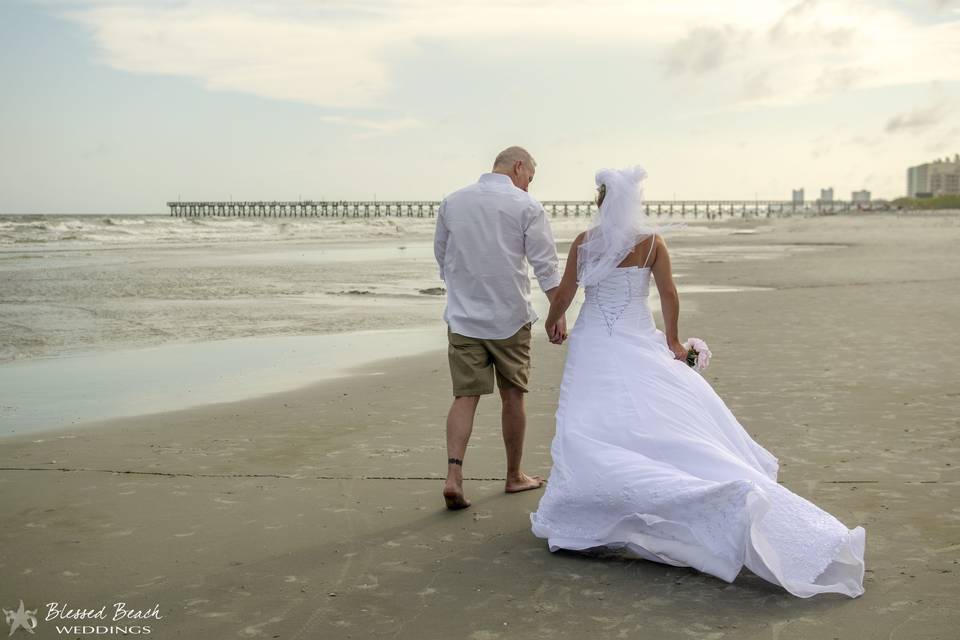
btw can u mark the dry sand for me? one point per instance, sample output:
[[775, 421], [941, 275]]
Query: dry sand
[[317, 513]]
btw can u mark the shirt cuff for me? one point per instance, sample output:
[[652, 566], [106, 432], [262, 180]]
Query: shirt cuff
[[551, 281]]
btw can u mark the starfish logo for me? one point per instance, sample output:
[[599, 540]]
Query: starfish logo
[[21, 619]]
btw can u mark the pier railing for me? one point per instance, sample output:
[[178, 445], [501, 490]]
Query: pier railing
[[708, 209]]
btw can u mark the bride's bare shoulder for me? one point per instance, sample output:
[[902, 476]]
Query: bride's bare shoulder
[[649, 248], [657, 241], [650, 243]]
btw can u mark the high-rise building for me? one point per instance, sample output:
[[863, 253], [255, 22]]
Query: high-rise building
[[798, 196], [826, 195], [860, 196], [938, 178]]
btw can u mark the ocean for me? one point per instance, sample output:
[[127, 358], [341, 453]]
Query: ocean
[[127, 314]]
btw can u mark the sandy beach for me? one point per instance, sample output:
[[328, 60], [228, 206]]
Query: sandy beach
[[315, 512]]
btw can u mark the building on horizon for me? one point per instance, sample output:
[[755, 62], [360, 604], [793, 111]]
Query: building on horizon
[[797, 196], [826, 195], [860, 196], [938, 178]]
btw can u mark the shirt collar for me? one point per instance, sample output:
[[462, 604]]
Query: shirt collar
[[497, 178]]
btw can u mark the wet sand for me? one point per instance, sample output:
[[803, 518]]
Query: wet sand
[[316, 513]]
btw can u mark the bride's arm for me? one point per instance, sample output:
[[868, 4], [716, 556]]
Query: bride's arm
[[563, 295], [669, 298]]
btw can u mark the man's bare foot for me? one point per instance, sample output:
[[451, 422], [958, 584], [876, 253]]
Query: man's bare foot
[[523, 483], [453, 495]]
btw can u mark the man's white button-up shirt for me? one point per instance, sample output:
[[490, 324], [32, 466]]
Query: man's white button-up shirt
[[486, 234]]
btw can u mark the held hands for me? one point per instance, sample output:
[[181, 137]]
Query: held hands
[[557, 332]]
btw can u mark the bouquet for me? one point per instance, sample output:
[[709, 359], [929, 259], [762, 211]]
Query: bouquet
[[698, 353]]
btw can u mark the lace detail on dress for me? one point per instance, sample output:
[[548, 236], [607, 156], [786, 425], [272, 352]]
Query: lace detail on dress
[[803, 556]]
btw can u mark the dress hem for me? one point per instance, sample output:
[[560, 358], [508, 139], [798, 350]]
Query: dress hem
[[759, 555]]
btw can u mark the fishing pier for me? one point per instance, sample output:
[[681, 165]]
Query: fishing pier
[[709, 209]]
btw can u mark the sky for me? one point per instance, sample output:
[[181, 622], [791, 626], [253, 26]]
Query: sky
[[119, 106]]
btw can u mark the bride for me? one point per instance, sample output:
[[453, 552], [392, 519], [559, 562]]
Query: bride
[[647, 459]]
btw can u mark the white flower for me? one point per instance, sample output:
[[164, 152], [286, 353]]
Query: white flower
[[703, 352]]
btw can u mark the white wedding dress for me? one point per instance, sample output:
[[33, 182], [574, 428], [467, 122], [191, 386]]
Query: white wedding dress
[[648, 460]]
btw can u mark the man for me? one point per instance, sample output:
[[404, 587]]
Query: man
[[486, 234]]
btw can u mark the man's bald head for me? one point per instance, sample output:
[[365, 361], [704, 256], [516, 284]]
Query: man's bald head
[[518, 164]]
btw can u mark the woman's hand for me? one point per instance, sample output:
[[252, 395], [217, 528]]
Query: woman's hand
[[679, 351]]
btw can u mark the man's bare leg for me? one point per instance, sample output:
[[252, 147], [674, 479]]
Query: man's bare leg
[[514, 424], [459, 428]]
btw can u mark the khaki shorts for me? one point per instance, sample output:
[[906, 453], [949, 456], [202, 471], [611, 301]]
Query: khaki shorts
[[474, 361]]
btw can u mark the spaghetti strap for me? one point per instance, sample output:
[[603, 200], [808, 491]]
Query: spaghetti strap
[[653, 241]]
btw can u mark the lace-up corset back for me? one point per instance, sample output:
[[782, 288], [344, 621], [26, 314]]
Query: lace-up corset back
[[619, 301]]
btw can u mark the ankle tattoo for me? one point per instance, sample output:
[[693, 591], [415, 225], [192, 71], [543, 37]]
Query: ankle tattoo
[[455, 461]]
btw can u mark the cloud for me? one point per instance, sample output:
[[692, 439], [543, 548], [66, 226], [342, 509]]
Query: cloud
[[810, 50], [345, 56], [266, 55], [758, 85], [841, 78], [804, 23], [340, 55], [705, 49], [920, 119]]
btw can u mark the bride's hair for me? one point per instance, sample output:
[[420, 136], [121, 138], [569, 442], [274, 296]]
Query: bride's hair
[[601, 193]]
